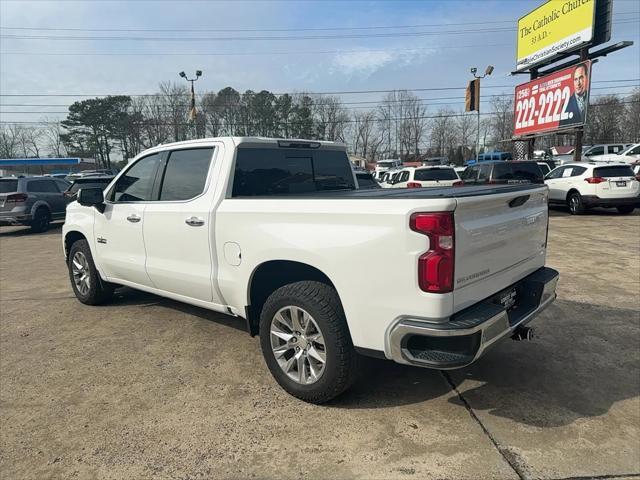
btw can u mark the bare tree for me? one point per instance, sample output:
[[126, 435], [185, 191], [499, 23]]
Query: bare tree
[[52, 137], [331, 118], [443, 131], [631, 124], [364, 124], [10, 140], [176, 98], [604, 124], [502, 122]]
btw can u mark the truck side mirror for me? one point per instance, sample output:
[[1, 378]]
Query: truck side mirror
[[91, 197]]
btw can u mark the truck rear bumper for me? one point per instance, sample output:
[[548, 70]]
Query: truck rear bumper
[[469, 333], [15, 219]]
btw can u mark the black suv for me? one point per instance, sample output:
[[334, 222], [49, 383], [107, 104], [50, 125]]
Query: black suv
[[502, 172]]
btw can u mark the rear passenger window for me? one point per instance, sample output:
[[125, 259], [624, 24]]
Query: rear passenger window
[[287, 171], [577, 171], [186, 174], [595, 151], [469, 174], [42, 186], [484, 173]]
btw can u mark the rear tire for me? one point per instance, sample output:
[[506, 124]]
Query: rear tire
[[626, 209], [311, 311], [41, 220], [87, 285], [576, 207]]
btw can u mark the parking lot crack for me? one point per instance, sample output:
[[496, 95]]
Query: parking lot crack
[[516, 462]]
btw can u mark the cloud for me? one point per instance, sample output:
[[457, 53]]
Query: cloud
[[364, 63]]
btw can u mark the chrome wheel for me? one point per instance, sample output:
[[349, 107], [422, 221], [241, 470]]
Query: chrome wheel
[[298, 345], [574, 203], [80, 270]]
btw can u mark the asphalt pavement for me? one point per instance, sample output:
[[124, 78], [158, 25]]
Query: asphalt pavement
[[150, 388]]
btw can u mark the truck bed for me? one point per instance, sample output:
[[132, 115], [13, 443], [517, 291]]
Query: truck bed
[[417, 193]]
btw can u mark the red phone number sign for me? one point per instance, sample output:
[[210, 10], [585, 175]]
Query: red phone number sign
[[553, 102]]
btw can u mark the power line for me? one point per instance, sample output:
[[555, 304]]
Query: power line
[[315, 121], [369, 104], [241, 54], [275, 38], [299, 29], [343, 92]]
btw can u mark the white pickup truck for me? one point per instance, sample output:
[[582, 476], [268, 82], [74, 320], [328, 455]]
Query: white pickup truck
[[278, 233]]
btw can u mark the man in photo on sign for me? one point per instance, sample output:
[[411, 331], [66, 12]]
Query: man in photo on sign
[[578, 101]]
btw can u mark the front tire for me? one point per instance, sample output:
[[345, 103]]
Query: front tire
[[626, 209], [87, 285], [576, 207], [306, 343]]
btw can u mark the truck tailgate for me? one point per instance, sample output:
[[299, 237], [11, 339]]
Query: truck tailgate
[[500, 239]]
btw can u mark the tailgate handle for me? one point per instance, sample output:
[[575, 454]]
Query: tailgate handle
[[516, 202]]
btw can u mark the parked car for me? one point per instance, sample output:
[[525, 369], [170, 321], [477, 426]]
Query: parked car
[[491, 156], [32, 201], [604, 149], [389, 177], [366, 180], [277, 233], [427, 177], [630, 154], [582, 185], [383, 166], [86, 182], [544, 168], [91, 173], [502, 173]]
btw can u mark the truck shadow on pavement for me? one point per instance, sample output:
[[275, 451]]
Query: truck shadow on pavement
[[125, 296], [558, 211], [21, 231], [585, 359]]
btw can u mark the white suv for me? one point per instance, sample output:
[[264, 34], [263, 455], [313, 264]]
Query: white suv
[[438, 176], [629, 155], [583, 185]]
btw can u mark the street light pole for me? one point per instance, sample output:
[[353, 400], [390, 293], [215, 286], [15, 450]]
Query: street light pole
[[192, 107], [488, 71]]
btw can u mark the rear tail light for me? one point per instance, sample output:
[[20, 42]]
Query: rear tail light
[[436, 266], [414, 185], [17, 198], [638, 178], [458, 183], [595, 180]]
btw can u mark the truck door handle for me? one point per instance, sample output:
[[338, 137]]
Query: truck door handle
[[194, 221], [133, 218]]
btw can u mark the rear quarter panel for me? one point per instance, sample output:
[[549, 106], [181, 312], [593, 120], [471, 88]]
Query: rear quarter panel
[[364, 246]]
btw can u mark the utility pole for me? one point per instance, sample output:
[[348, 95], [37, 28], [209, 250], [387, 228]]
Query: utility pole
[[488, 71], [192, 106]]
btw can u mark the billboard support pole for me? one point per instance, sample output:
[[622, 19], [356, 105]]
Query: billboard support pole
[[577, 152], [532, 141]]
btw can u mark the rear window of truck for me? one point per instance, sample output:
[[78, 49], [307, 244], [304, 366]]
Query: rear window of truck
[[614, 171], [523, 171], [8, 186], [288, 171], [426, 174]]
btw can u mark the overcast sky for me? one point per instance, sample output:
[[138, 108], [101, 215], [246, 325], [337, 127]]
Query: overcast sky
[[436, 51]]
